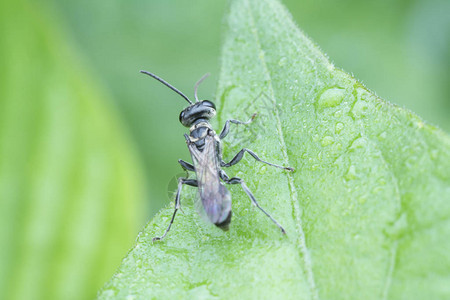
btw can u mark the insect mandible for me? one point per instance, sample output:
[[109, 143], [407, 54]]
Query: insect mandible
[[205, 148]]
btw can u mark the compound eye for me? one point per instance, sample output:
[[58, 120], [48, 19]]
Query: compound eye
[[181, 117], [209, 104]]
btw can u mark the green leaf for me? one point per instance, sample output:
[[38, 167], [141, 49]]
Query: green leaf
[[69, 181], [366, 212]]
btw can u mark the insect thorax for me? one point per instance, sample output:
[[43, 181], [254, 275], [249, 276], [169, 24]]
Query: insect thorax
[[198, 133]]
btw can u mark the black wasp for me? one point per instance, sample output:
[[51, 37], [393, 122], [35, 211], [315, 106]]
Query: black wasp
[[205, 148]]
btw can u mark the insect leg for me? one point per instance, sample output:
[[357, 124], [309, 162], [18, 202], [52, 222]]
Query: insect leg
[[186, 166], [240, 155], [237, 180], [224, 176], [181, 181], [226, 128]]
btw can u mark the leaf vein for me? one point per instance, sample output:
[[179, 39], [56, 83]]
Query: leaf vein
[[398, 198], [293, 191], [394, 247]]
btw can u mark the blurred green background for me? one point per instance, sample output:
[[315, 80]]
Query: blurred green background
[[88, 146]]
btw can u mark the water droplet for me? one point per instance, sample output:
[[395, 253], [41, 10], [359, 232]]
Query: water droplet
[[359, 143], [328, 140], [262, 55], [338, 113], [398, 227], [382, 135], [282, 61], [376, 190], [351, 173], [262, 170], [319, 156], [108, 293], [330, 98], [360, 108], [434, 154], [339, 126]]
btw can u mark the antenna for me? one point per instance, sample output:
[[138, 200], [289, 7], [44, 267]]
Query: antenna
[[168, 85], [198, 83]]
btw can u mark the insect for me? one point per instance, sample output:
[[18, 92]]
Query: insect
[[205, 147]]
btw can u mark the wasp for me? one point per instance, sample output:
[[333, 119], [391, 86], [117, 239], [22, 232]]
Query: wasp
[[205, 147]]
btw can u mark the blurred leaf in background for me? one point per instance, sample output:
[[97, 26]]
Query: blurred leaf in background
[[70, 184]]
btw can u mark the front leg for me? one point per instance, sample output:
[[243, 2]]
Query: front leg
[[186, 166], [240, 155], [226, 128]]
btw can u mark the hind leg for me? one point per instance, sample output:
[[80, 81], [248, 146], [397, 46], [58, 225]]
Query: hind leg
[[237, 180], [181, 181]]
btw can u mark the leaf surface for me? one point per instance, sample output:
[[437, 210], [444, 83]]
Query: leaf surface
[[366, 212]]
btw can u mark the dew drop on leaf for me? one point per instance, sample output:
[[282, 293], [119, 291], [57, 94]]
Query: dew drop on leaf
[[351, 173], [327, 140], [330, 98], [339, 126], [282, 61]]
